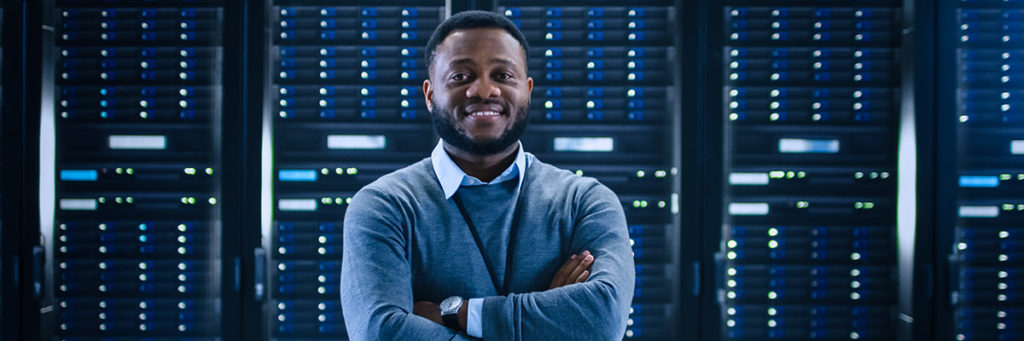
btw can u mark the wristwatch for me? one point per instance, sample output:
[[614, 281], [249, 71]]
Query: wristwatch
[[450, 312]]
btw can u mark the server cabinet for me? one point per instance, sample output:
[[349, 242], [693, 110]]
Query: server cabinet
[[136, 236], [809, 108], [346, 107], [981, 212], [604, 105]]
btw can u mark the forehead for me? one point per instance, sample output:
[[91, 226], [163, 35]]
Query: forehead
[[479, 44]]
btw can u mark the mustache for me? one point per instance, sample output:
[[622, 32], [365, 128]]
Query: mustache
[[479, 101]]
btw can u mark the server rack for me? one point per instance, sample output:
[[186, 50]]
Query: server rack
[[346, 107], [605, 105], [809, 113], [137, 238], [981, 213]]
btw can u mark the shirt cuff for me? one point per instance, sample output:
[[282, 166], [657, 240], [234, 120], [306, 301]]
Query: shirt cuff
[[474, 325]]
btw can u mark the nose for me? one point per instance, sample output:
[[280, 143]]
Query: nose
[[482, 88]]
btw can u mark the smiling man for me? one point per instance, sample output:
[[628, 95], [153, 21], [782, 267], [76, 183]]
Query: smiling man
[[482, 239]]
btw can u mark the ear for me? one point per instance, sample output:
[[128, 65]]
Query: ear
[[529, 85], [428, 94]]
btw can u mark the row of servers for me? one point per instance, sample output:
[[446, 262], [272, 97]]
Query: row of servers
[[137, 223], [985, 255], [809, 226], [793, 230]]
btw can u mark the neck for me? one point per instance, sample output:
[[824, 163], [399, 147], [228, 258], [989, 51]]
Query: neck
[[483, 167]]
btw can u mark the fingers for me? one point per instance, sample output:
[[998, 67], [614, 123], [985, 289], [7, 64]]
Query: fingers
[[583, 277], [586, 259], [575, 270], [563, 272]]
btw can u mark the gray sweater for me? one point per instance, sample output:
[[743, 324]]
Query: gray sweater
[[403, 243]]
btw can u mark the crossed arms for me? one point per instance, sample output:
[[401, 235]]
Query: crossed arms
[[587, 304]]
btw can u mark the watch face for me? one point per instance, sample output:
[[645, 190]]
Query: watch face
[[450, 303]]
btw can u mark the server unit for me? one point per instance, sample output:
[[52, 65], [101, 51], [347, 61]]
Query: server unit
[[809, 102], [604, 106], [347, 107], [135, 241], [980, 110]]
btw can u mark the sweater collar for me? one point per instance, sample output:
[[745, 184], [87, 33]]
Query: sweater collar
[[452, 177]]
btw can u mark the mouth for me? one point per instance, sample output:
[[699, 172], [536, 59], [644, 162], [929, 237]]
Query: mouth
[[484, 111], [484, 114]]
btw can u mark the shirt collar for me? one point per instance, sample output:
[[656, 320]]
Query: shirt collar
[[452, 177]]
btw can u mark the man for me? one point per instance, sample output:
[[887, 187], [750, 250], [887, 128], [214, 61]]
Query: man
[[481, 239]]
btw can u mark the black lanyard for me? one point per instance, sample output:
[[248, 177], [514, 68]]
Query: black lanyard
[[500, 289]]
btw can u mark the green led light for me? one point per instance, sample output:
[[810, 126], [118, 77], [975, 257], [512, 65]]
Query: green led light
[[660, 173], [640, 173], [190, 171], [352, 171], [209, 171]]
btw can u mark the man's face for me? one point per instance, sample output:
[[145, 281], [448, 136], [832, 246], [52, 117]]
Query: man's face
[[478, 91]]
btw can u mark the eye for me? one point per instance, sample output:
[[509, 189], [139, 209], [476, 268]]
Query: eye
[[504, 76], [458, 77]]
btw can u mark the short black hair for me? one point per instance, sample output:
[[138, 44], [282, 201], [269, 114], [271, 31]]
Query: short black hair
[[469, 20]]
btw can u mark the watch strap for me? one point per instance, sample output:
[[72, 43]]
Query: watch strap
[[452, 320]]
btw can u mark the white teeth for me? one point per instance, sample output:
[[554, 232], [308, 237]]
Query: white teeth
[[485, 113]]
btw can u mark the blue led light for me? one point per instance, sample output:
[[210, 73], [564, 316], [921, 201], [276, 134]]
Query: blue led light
[[979, 181], [78, 175], [296, 175]]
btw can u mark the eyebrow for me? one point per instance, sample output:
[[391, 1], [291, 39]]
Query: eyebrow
[[495, 60]]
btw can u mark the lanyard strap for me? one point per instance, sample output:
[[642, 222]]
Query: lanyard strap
[[500, 289]]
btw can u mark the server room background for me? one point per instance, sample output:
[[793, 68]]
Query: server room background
[[790, 170]]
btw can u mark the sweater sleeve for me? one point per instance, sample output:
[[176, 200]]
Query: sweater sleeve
[[376, 277], [594, 310]]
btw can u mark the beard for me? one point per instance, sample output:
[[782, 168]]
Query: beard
[[444, 125]]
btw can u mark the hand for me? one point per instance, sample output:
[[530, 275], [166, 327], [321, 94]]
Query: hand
[[428, 310], [575, 270]]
